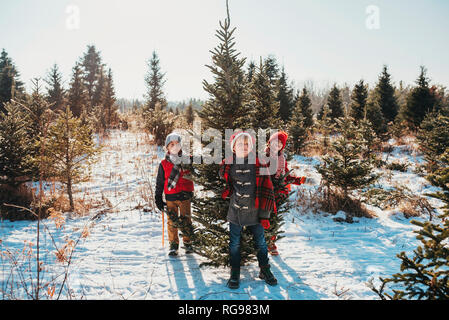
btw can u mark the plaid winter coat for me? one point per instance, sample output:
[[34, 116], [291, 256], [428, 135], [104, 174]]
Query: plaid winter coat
[[264, 187]]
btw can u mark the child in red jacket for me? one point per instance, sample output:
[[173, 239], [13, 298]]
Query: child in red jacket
[[178, 191], [275, 152]]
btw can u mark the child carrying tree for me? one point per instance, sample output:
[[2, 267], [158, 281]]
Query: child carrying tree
[[251, 195], [275, 151], [171, 180]]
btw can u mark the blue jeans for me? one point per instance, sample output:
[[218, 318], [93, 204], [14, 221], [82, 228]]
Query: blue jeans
[[259, 239]]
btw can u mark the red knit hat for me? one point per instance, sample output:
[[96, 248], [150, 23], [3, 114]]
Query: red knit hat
[[282, 136]]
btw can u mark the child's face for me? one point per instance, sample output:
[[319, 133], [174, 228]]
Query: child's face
[[276, 145], [242, 147], [174, 147]]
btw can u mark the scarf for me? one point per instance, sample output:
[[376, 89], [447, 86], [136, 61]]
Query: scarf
[[176, 171]]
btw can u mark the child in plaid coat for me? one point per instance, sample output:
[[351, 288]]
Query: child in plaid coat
[[275, 152]]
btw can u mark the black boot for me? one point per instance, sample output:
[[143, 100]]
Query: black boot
[[188, 247], [173, 249], [234, 280], [265, 274]]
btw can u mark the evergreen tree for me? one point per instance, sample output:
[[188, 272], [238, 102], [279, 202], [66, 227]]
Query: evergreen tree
[[250, 72], [285, 97], [263, 101], [375, 115], [109, 100], [15, 145], [155, 82], [77, 96], [55, 91], [159, 123], [425, 275], [359, 100], [98, 94], [343, 169], [38, 115], [304, 105], [226, 108], [370, 139], [335, 103], [384, 96], [420, 101], [92, 72], [297, 131], [69, 151], [325, 126], [10, 84], [189, 114], [433, 136], [271, 69]]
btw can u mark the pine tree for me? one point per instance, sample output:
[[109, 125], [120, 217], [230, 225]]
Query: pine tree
[[10, 84], [384, 96], [263, 101], [285, 97], [38, 115], [420, 101], [271, 69], [250, 72], [155, 82], [159, 123], [226, 108], [92, 71], [359, 100], [77, 96], [325, 126], [425, 275], [335, 103], [98, 94], [304, 103], [69, 151], [297, 130], [375, 115], [433, 136], [189, 114], [15, 145], [109, 100], [370, 139], [55, 90], [343, 169]]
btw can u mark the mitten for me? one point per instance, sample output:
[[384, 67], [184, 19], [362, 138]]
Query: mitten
[[265, 223], [160, 204]]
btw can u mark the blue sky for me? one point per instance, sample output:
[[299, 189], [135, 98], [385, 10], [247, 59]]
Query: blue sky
[[323, 41]]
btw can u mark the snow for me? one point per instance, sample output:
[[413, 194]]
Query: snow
[[123, 257]]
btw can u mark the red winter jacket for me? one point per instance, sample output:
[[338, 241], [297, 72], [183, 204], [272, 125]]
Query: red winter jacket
[[184, 185]]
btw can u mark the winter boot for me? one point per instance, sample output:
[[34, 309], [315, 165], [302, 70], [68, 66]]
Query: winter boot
[[173, 249], [188, 247], [273, 250], [265, 274], [234, 280]]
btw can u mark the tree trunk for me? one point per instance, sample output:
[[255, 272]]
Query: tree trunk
[[69, 191]]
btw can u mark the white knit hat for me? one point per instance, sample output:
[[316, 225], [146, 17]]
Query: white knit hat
[[235, 136], [172, 137]]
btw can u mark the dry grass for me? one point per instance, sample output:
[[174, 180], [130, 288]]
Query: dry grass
[[320, 200]]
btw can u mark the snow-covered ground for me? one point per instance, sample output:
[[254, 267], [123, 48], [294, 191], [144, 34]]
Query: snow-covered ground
[[122, 257]]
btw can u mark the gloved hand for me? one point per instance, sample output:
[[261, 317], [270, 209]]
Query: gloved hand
[[159, 203], [300, 180], [265, 223]]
